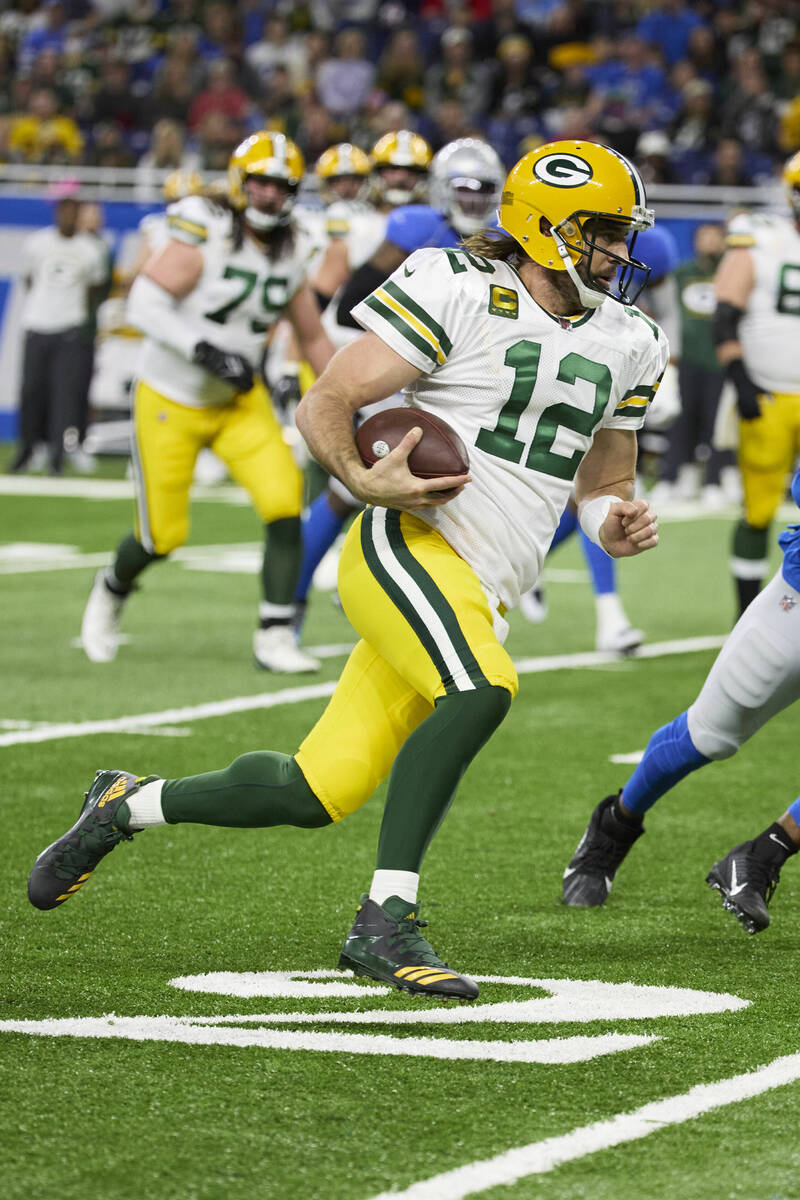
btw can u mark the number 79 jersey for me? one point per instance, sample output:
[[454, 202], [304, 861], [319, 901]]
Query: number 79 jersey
[[525, 389], [238, 298]]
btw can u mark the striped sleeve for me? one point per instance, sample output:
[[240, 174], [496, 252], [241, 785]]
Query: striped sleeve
[[633, 403], [413, 310], [188, 220], [740, 233]]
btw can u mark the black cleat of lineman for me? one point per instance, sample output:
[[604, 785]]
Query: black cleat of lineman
[[590, 874], [746, 883]]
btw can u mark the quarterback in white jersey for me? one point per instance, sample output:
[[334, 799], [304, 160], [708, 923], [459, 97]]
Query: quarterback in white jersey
[[756, 330], [500, 342], [205, 304]]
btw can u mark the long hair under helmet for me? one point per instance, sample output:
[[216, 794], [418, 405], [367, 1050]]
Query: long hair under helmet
[[557, 197]]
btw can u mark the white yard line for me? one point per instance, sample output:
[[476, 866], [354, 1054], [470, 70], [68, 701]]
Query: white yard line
[[315, 691], [538, 1158], [105, 489]]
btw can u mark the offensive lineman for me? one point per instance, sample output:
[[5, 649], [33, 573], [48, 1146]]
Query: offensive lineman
[[756, 329], [205, 304], [528, 344]]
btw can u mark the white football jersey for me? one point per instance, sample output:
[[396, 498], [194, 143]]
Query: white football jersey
[[362, 228], [526, 391], [770, 328], [238, 298], [61, 271], [154, 230]]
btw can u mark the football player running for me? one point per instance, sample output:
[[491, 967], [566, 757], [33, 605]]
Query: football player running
[[528, 344], [756, 329], [464, 185], [756, 675], [205, 303]]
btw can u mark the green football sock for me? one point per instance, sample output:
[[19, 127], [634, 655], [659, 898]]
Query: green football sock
[[283, 555], [428, 769], [131, 560], [257, 790]]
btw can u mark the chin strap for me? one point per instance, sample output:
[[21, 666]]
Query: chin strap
[[589, 297]]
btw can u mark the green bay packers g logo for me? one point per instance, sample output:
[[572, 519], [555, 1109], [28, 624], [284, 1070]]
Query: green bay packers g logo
[[563, 170]]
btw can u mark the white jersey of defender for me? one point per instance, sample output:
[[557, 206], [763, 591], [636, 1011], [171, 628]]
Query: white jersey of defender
[[362, 228], [770, 328], [526, 391], [238, 298]]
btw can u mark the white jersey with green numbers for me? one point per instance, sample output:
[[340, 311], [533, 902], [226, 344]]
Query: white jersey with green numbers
[[770, 328], [526, 390], [238, 298]]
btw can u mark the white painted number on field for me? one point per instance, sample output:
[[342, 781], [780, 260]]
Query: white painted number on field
[[576, 1001]]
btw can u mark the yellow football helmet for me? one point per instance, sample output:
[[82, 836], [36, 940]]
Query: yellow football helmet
[[273, 156], [179, 184], [340, 162], [791, 178], [554, 200], [400, 148]]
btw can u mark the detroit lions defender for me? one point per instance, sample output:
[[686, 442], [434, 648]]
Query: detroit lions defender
[[205, 304], [529, 345], [756, 675]]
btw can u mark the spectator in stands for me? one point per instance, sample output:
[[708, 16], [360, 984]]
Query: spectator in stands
[[728, 165], [51, 35], [787, 83], [43, 136], [108, 147], [62, 267], [280, 107], [172, 92], [516, 90], [694, 130], [705, 56], [629, 91], [401, 73], [217, 136], [220, 38], [167, 152], [114, 99], [345, 81], [457, 76], [451, 121], [223, 95], [750, 112], [652, 157], [668, 26], [317, 130], [278, 48]]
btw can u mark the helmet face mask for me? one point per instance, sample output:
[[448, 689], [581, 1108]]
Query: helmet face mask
[[561, 198], [396, 151]]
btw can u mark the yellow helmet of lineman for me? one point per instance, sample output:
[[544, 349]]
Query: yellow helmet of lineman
[[791, 178], [272, 156], [400, 148], [339, 162], [179, 184], [554, 200]]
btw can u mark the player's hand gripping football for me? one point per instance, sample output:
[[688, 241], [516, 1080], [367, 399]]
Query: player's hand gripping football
[[630, 527], [390, 484]]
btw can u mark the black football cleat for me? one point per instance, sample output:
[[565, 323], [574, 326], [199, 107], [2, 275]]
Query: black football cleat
[[747, 882], [590, 874], [385, 944], [63, 868]]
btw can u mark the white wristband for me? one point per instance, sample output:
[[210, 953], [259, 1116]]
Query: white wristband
[[592, 514]]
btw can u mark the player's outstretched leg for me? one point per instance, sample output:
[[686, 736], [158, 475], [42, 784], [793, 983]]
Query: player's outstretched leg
[[748, 875], [605, 843], [385, 943], [62, 869]]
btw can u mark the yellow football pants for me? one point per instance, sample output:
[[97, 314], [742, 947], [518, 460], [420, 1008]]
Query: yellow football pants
[[426, 632], [167, 437], [768, 448]]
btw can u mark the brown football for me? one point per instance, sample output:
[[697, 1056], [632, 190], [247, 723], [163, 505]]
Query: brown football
[[440, 450]]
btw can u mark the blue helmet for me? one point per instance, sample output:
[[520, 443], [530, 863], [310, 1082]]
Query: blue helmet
[[657, 249]]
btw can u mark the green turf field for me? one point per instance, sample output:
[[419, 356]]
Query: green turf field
[[245, 1085]]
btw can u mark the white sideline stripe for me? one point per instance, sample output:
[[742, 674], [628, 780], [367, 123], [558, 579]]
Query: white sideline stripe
[[106, 489], [314, 691], [538, 1158]]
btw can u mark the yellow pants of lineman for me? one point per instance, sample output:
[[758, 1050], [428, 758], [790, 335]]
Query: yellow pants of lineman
[[768, 448], [426, 632], [167, 437]]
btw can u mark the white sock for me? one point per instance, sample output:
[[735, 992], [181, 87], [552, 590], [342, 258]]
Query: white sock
[[145, 806], [394, 883], [609, 611]]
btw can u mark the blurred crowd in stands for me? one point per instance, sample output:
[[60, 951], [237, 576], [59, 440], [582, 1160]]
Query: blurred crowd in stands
[[697, 91]]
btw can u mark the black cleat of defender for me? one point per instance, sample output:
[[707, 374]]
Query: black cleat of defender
[[385, 944], [62, 869], [590, 874], [746, 883]]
